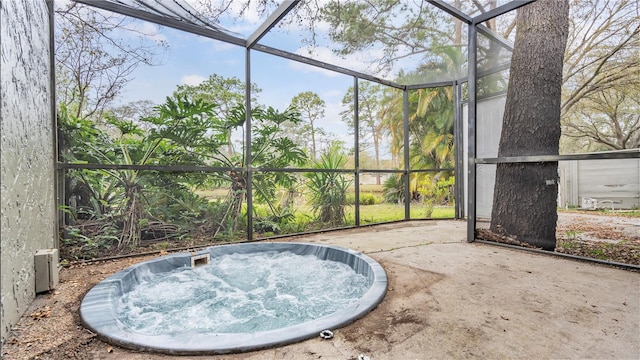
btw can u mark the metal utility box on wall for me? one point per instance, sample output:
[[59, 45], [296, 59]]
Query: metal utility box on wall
[[46, 262]]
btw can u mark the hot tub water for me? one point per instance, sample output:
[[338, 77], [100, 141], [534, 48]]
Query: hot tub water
[[252, 296], [240, 293]]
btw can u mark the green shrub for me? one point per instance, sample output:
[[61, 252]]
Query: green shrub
[[350, 199], [368, 199], [328, 190], [393, 189]]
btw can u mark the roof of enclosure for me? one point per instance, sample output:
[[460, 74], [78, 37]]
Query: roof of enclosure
[[403, 43]]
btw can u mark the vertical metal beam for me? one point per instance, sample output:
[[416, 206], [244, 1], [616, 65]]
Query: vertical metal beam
[[356, 146], [471, 171], [247, 143], [58, 181], [458, 143], [407, 193]]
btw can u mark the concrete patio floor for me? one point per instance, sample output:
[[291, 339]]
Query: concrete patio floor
[[451, 299]]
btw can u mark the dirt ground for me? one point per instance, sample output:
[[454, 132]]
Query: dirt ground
[[609, 238], [446, 299]]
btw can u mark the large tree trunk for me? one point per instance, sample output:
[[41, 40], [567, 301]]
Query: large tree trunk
[[524, 200]]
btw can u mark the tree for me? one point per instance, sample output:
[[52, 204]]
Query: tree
[[371, 116], [417, 32], [269, 149], [431, 128], [134, 111], [94, 60], [430, 134], [180, 133], [229, 93], [226, 92], [524, 202], [609, 119], [601, 79], [311, 108]]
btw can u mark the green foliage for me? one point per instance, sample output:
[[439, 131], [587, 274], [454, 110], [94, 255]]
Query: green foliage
[[431, 128], [269, 149], [350, 199], [368, 199], [390, 25], [436, 191], [393, 189], [77, 246], [179, 135], [365, 199], [572, 234], [311, 108], [372, 117], [227, 93], [431, 191], [328, 190], [430, 132], [186, 129]]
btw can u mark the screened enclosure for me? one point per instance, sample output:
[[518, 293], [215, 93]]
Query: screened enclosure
[[319, 116]]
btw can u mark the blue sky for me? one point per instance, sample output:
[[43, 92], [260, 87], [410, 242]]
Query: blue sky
[[190, 59]]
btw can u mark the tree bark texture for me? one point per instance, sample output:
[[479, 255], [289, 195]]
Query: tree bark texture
[[524, 200]]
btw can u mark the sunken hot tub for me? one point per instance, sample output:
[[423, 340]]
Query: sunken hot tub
[[234, 298]]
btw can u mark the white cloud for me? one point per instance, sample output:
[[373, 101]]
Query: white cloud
[[332, 120], [242, 18], [333, 94], [152, 31], [250, 14], [192, 80], [147, 30], [222, 46], [320, 54]]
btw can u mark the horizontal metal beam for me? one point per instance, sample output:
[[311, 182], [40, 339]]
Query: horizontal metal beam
[[446, 7], [193, 168], [483, 73], [487, 96], [304, 170], [271, 21], [555, 158], [164, 21], [500, 10], [563, 255], [381, 171], [494, 70], [431, 170], [430, 85], [324, 65], [505, 43], [163, 168]]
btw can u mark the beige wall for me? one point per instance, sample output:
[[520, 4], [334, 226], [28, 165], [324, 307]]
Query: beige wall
[[26, 152]]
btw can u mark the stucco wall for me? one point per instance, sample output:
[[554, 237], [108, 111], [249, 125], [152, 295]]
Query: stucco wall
[[26, 151]]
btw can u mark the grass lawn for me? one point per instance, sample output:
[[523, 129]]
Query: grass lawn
[[390, 212]]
